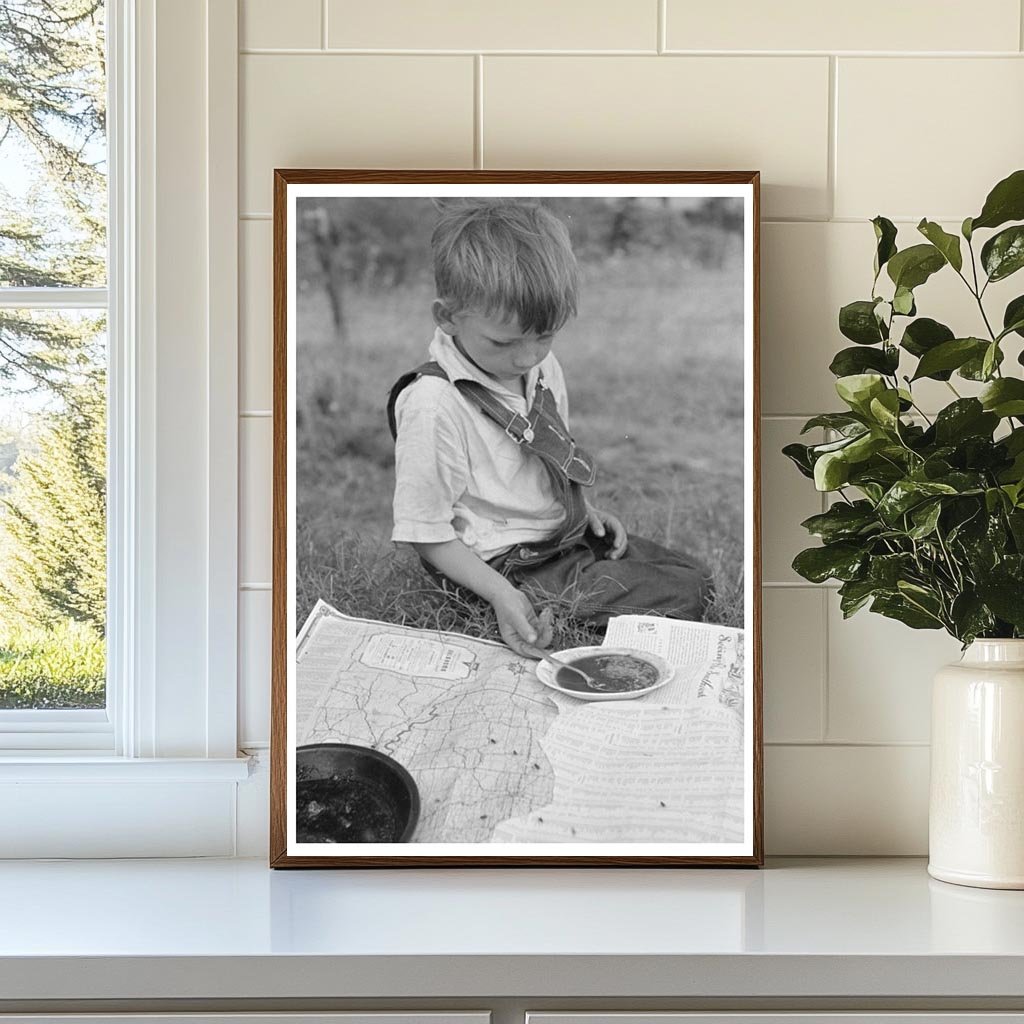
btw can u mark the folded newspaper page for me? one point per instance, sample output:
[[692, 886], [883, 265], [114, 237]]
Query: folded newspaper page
[[667, 767], [499, 757]]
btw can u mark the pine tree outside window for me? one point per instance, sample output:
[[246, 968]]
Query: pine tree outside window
[[53, 365]]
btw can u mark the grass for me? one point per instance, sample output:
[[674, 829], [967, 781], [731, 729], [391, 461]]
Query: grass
[[654, 366], [61, 667]]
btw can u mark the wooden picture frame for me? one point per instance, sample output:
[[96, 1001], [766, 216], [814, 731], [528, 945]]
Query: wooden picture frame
[[672, 260]]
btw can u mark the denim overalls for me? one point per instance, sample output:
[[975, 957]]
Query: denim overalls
[[571, 566]]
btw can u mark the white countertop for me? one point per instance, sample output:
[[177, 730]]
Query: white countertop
[[234, 928]]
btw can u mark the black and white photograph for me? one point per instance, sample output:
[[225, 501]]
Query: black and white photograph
[[515, 558]]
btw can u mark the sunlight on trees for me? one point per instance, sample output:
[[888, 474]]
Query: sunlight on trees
[[53, 212]]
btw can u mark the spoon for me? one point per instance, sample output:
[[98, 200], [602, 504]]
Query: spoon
[[585, 682]]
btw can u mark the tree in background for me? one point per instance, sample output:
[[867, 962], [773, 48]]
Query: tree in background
[[53, 546], [53, 115], [52, 235]]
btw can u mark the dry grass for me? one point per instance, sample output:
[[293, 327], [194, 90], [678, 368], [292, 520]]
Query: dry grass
[[654, 368]]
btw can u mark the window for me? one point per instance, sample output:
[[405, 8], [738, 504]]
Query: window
[[156, 768], [53, 369]]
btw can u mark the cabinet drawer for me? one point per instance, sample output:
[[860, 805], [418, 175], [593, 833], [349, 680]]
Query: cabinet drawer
[[934, 1017]]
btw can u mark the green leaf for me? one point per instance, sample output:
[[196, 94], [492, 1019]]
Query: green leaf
[[906, 494], [964, 418], [831, 471], [1004, 594], [925, 518], [857, 321], [885, 236], [923, 335], [974, 368], [885, 409], [864, 447], [843, 521], [912, 267], [858, 389], [1004, 397], [990, 360], [903, 302], [840, 561], [841, 421], [950, 355], [799, 455], [849, 361], [897, 607], [1005, 202], [965, 228], [1013, 318], [971, 617], [947, 244], [887, 570], [854, 594], [1003, 254]]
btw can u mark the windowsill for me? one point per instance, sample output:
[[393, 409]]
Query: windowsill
[[77, 766], [822, 929]]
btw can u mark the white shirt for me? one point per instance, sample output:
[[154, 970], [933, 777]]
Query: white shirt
[[458, 474]]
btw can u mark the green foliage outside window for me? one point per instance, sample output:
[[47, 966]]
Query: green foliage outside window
[[52, 365]]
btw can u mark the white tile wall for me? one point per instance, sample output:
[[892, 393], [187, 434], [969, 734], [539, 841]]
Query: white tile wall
[[969, 110], [471, 25], [699, 113], [838, 138], [874, 25], [256, 304], [794, 664], [261, 26], [331, 110], [254, 664], [255, 509]]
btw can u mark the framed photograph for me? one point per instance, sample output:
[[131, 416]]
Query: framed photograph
[[516, 560]]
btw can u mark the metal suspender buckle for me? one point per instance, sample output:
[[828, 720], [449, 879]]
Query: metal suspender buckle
[[526, 434]]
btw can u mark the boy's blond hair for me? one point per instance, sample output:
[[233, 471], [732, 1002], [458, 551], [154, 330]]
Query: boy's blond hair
[[508, 257]]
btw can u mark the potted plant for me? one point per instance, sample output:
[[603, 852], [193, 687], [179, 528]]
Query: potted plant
[[927, 521]]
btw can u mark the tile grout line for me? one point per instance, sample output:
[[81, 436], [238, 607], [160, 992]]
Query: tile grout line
[[833, 134], [824, 712], [768, 55], [662, 42], [1020, 24], [826, 692], [323, 24], [478, 111], [847, 744]]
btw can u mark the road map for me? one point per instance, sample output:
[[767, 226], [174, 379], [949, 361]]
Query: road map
[[466, 717], [498, 757]]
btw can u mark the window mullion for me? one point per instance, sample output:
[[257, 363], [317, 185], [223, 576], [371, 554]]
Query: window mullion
[[53, 298]]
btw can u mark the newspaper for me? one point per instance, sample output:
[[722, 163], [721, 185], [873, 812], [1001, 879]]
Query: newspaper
[[499, 757], [667, 767]]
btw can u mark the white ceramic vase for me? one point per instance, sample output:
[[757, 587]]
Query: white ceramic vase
[[976, 812]]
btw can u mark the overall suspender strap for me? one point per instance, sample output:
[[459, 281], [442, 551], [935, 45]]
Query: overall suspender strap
[[567, 470], [516, 426], [430, 369], [556, 449]]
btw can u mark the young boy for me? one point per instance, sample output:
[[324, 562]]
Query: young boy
[[489, 482]]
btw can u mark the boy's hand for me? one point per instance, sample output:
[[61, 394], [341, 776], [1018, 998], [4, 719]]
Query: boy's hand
[[519, 624], [603, 522]]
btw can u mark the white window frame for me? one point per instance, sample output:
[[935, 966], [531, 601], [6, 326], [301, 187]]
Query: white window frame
[[157, 773]]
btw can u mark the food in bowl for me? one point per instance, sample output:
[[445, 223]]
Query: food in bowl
[[610, 673], [345, 808], [346, 793]]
